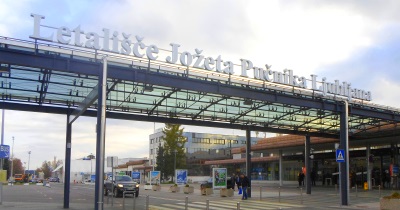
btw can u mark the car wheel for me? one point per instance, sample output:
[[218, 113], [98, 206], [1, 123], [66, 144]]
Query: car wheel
[[115, 192]]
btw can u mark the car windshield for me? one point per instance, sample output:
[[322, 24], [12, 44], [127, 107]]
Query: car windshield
[[123, 178]]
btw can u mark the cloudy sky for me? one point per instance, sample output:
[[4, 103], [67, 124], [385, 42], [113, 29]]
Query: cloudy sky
[[353, 41]]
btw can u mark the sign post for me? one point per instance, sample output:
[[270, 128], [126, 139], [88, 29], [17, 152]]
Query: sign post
[[340, 159]]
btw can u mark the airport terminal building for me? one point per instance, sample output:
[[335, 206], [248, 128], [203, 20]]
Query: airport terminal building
[[199, 148]]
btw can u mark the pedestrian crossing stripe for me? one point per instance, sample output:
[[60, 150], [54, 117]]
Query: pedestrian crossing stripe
[[224, 204]]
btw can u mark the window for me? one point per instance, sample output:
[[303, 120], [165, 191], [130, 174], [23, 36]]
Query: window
[[201, 141], [219, 141], [200, 149], [243, 142], [151, 151], [151, 141]]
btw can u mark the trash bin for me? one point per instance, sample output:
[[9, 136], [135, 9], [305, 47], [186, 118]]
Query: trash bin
[[365, 185]]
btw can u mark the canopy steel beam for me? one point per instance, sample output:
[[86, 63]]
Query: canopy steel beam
[[78, 66], [44, 85], [163, 99], [209, 105], [125, 73], [89, 100], [86, 103], [146, 118]]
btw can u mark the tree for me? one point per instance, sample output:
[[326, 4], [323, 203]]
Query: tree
[[17, 166], [46, 169], [174, 144], [161, 161]]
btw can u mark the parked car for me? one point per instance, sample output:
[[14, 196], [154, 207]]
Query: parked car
[[54, 179], [121, 184], [36, 180]]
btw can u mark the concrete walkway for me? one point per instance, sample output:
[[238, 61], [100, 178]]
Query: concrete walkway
[[272, 197]]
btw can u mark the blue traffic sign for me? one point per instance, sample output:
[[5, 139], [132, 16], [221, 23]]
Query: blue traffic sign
[[340, 155], [4, 151]]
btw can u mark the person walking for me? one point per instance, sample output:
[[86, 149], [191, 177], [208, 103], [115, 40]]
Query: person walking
[[313, 177], [244, 182], [233, 181], [300, 178]]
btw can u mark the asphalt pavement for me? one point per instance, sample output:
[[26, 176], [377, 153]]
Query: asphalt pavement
[[35, 197]]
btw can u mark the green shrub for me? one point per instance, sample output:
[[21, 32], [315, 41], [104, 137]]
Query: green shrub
[[395, 195]]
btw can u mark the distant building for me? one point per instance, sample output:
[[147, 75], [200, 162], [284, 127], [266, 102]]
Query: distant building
[[83, 168], [200, 147]]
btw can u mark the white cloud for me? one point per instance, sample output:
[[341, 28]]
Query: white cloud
[[387, 93]]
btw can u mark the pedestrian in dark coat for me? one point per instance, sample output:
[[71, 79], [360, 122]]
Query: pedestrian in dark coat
[[244, 182]]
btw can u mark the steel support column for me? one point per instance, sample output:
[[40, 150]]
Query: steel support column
[[67, 174], [280, 168], [100, 137], [368, 154], [307, 164], [248, 160], [344, 144]]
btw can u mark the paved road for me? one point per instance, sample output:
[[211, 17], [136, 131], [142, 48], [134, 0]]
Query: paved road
[[82, 197]]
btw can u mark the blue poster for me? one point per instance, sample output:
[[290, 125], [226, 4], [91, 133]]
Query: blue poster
[[135, 175], [155, 177], [181, 176], [92, 178]]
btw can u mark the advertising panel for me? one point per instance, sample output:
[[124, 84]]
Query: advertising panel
[[155, 177], [92, 178], [181, 176], [136, 175], [219, 178]]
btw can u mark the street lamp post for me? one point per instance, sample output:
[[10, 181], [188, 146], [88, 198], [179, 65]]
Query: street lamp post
[[12, 162], [29, 159]]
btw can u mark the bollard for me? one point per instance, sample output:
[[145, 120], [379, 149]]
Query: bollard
[[112, 198], [108, 197], [260, 191], [123, 200], [336, 189], [301, 195], [380, 195], [356, 191], [147, 202], [207, 204], [279, 194], [186, 203], [238, 206], [134, 200]]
